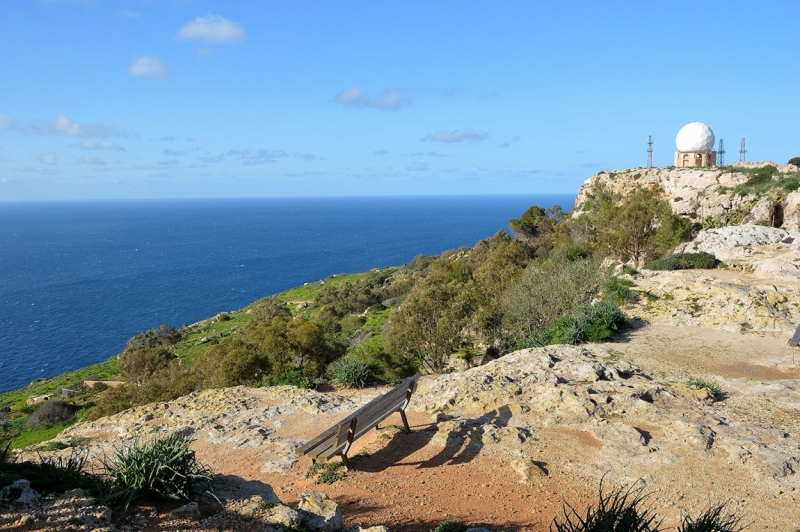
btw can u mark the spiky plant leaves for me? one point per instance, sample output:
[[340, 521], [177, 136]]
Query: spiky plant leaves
[[714, 519], [164, 467], [619, 511]]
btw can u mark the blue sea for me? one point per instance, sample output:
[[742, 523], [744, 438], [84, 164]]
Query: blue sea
[[78, 279]]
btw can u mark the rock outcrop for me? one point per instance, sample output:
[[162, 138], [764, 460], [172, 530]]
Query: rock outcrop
[[705, 193]]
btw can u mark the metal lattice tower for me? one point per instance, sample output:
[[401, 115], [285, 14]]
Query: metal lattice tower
[[721, 153], [742, 151], [650, 151]]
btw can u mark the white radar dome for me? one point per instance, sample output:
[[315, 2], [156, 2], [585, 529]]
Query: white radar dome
[[695, 137]]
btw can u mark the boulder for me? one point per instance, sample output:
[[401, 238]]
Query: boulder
[[320, 512]]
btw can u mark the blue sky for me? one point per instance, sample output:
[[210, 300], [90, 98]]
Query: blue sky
[[103, 99]]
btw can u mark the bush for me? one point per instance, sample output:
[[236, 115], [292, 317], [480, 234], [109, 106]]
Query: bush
[[589, 323], [291, 378], [795, 161], [685, 261], [51, 475], [164, 467], [52, 412], [619, 291], [619, 511], [350, 372]]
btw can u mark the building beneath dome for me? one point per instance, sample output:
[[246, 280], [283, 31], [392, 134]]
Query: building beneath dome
[[695, 143]]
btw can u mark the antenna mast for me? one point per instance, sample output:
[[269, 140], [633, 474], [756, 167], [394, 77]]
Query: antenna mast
[[742, 151], [650, 151], [721, 153]]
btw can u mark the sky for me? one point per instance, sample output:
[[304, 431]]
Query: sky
[[130, 99]]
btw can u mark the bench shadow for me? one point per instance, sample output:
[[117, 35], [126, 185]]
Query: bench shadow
[[461, 444]]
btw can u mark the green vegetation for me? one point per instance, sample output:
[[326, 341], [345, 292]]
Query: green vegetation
[[164, 467], [588, 323], [473, 304], [351, 372], [795, 161], [326, 472], [49, 475], [685, 261], [450, 526], [713, 388]]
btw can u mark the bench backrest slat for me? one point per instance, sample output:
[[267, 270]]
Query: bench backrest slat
[[361, 420]]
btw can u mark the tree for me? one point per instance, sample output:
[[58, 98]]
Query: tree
[[431, 323], [635, 226], [795, 161], [533, 223], [140, 362]]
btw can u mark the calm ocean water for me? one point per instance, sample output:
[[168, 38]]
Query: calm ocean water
[[78, 279]]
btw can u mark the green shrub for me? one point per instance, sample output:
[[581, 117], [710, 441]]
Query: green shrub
[[619, 511], [685, 261], [713, 519], [292, 378], [450, 526], [51, 474], [164, 467], [326, 472], [350, 372], [795, 161], [619, 291], [589, 323], [52, 412]]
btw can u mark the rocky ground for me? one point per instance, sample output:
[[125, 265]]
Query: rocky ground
[[504, 444]]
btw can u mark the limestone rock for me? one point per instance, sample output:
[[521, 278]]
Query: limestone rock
[[191, 511], [281, 515], [322, 513], [20, 494]]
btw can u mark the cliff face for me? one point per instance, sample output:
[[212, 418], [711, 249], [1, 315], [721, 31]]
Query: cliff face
[[702, 194]]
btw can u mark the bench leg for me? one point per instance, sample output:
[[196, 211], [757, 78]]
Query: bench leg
[[346, 461], [405, 421]]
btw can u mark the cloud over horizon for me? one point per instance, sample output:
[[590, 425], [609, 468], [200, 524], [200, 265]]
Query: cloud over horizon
[[456, 135], [62, 125], [390, 99], [212, 29], [148, 67], [99, 145]]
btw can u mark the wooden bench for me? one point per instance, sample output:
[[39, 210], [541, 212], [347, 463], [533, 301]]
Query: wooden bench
[[338, 439]]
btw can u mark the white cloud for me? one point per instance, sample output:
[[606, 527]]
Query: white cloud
[[390, 99], [6, 122], [352, 97], [47, 159], [309, 156], [258, 156], [457, 135], [416, 167], [64, 126], [379, 152], [174, 153], [212, 28], [100, 145], [148, 67], [130, 14], [90, 159]]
